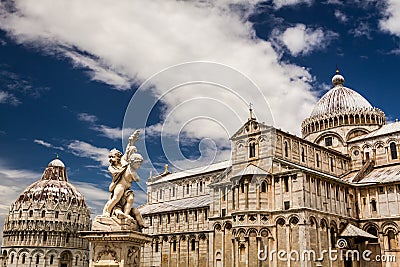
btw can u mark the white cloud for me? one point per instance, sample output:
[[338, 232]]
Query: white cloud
[[104, 130], [390, 22], [363, 29], [340, 16], [86, 150], [46, 144], [95, 197], [8, 98], [281, 3], [334, 2], [87, 117], [300, 40]]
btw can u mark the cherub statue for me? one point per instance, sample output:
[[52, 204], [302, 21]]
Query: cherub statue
[[123, 169]]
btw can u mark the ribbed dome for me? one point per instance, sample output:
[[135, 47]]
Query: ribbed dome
[[340, 99], [53, 186]]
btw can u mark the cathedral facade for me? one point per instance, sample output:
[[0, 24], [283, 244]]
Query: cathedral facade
[[284, 200], [41, 228]]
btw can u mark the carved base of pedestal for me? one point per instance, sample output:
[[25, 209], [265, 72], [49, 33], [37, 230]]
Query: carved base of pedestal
[[104, 223], [115, 248]]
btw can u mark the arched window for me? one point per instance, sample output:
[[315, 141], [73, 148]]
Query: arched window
[[12, 259], [333, 237], [67, 238], [23, 258], [51, 259], [286, 183], [263, 187], [373, 205], [193, 245], [37, 259], [187, 189], [56, 214], [43, 213], [303, 155], [45, 236], [317, 159], [31, 213], [252, 150], [174, 246], [20, 213], [76, 260], [156, 247], [374, 232], [69, 216], [393, 150], [332, 164], [391, 239], [286, 149]]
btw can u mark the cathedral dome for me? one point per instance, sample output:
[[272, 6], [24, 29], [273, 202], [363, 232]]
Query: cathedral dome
[[340, 99], [342, 107]]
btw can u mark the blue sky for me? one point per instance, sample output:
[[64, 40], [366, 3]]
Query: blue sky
[[69, 69]]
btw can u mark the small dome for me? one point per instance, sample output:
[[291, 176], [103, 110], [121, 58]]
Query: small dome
[[340, 99], [56, 163]]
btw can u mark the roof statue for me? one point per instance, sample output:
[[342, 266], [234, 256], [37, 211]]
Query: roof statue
[[118, 212]]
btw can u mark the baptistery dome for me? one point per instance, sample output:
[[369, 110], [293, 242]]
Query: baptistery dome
[[344, 110], [41, 228]]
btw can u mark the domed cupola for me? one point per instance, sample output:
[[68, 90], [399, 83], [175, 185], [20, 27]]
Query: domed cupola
[[343, 111], [48, 215]]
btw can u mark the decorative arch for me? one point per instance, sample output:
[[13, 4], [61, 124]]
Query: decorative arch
[[379, 143], [280, 220], [324, 223], [24, 250], [52, 251], [371, 225], [217, 226], [252, 231], [264, 232], [330, 133], [37, 251], [388, 141], [354, 133], [314, 220], [390, 225], [294, 219], [227, 225]]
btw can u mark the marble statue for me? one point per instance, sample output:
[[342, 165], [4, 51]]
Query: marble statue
[[123, 169]]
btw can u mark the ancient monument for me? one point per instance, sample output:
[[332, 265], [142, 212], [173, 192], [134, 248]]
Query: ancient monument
[[116, 236]]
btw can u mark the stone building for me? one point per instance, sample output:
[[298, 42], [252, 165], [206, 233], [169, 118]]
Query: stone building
[[41, 228], [335, 188]]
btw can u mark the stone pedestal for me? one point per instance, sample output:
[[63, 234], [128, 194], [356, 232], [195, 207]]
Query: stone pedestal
[[114, 245]]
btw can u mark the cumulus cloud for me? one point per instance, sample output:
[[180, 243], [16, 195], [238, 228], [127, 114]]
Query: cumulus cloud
[[390, 22], [281, 3], [86, 150], [300, 40]]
